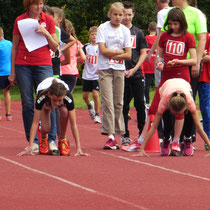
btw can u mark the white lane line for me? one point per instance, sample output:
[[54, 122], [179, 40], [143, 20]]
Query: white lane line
[[73, 184], [156, 166]]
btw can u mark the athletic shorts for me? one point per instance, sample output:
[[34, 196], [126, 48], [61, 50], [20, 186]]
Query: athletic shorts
[[90, 85], [4, 82]]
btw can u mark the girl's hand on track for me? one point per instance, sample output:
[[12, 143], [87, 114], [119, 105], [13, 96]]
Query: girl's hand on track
[[141, 153], [25, 152], [80, 153]]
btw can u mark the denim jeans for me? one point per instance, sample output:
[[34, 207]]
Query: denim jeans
[[28, 78]]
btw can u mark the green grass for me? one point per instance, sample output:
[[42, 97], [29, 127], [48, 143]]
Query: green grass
[[77, 95]]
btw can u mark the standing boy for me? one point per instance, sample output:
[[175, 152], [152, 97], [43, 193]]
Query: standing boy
[[134, 80], [90, 77], [5, 70]]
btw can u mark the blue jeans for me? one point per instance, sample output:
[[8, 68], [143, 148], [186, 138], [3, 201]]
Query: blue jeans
[[28, 78]]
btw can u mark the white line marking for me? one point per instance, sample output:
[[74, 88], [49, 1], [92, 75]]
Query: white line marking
[[156, 166], [73, 184]]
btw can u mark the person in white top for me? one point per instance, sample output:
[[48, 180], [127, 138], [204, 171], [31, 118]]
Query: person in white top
[[90, 76], [114, 43]]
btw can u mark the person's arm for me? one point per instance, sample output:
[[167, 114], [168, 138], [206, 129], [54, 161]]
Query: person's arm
[[189, 62], [15, 41], [81, 56], [199, 128], [124, 56], [74, 129], [109, 53], [67, 57], [131, 72], [159, 59], [51, 38], [149, 134], [71, 42], [33, 131], [200, 49]]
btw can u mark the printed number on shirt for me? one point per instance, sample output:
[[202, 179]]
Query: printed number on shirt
[[114, 61], [92, 59], [175, 47], [133, 41]]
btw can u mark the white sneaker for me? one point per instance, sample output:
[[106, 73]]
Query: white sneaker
[[97, 119], [35, 148], [92, 111], [52, 146]]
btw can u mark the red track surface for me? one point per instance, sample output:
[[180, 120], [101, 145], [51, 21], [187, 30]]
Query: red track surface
[[104, 180]]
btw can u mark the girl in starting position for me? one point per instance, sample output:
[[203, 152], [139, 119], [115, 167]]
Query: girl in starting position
[[51, 93]]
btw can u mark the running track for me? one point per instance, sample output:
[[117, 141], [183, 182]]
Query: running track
[[104, 180]]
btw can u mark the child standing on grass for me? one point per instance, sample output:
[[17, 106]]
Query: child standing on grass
[[114, 43], [90, 77], [52, 93], [5, 70], [173, 63]]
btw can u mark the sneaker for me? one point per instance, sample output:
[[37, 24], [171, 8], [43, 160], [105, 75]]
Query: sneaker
[[92, 111], [134, 147], [116, 144], [125, 140], [35, 148], [110, 144], [8, 117], [0, 117], [97, 119], [175, 148], [165, 147], [53, 148], [188, 148], [43, 147], [64, 147]]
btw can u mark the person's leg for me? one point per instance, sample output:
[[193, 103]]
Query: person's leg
[[86, 97], [204, 97], [25, 79], [148, 82], [96, 101], [7, 100], [118, 91], [139, 103], [106, 87], [126, 101]]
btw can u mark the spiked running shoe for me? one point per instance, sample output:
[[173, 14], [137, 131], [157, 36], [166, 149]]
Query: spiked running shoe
[[175, 149], [165, 147], [134, 147], [43, 147], [110, 144], [188, 148], [8, 117], [64, 147]]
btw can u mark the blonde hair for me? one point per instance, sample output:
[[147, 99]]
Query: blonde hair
[[28, 3], [70, 28], [177, 102], [93, 29], [61, 14], [116, 5]]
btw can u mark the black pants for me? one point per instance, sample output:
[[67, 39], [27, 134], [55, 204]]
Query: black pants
[[148, 81], [70, 80], [134, 88]]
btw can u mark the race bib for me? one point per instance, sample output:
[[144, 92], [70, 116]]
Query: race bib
[[114, 61], [92, 59], [133, 41], [175, 48]]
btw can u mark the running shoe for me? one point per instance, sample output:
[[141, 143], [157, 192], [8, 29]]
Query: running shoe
[[165, 147], [175, 148], [92, 111], [0, 117], [97, 119], [110, 144], [43, 147], [133, 147], [8, 117], [53, 148], [125, 140], [116, 144], [64, 147], [188, 148]]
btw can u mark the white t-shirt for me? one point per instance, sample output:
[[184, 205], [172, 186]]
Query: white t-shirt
[[116, 39], [46, 83], [89, 72], [161, 16]]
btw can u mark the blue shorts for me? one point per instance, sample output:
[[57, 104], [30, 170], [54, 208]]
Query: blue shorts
[[4, 82], [90, 85]]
